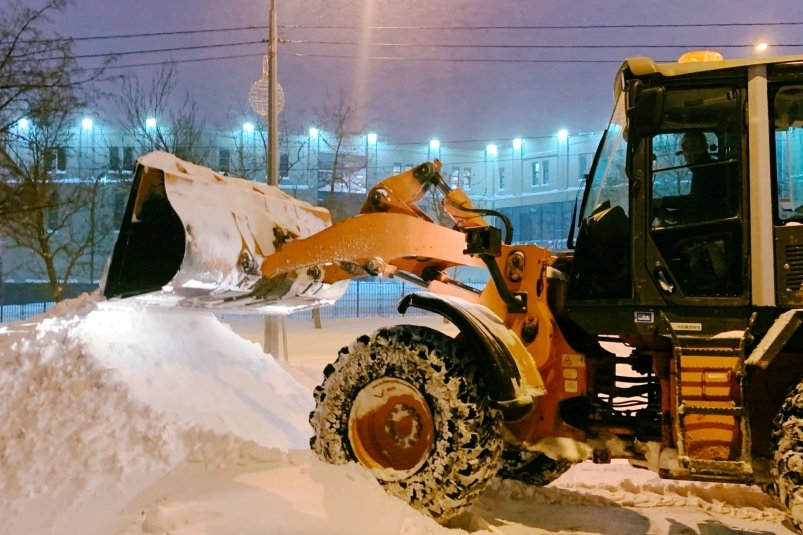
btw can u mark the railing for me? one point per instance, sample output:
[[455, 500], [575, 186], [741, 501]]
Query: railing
[[9, 313], [362, 299]]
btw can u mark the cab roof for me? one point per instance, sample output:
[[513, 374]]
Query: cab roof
[[644, 66]]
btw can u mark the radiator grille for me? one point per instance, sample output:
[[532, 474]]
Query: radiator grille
[[794, 259]]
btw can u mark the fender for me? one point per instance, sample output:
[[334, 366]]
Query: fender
[[493, 345], [780, 332]]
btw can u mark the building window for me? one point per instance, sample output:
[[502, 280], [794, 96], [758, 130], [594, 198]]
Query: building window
[[223, 160], [466, 178], [583, 166], [52, 214], [284, 166], [61, 159], [128, 158], [114, 158], [545, 172], [49, 159], [454, 178], [535, 179], [397, 168], [501, 178]]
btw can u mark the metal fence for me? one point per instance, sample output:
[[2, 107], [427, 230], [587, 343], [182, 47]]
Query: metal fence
[[9, 313], [369, 298]]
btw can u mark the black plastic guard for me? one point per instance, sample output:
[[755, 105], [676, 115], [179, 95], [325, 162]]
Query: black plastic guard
[[501, 375], [150, 247]]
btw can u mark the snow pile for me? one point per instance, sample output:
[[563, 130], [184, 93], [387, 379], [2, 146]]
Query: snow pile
[[125, 421], [101, 403]]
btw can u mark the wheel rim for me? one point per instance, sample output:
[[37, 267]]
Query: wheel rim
[[391, 428]]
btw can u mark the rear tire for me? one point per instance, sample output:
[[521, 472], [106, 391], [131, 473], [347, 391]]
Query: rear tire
[[531, 467], [407, 403], [787, 466]]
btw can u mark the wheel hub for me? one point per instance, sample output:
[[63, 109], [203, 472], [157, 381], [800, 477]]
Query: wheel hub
[[391, 428]]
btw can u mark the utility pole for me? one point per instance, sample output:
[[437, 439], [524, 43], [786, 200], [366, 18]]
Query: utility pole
[[274, 325], [273, 108]]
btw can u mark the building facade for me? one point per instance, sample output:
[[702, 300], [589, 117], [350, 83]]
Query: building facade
[[534, 181]]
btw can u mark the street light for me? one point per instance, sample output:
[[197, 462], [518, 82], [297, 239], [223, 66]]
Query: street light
[[492, 149], [23, 123], [434, 149], [86, 123], [248, 128], [761, 46], [150, 123]]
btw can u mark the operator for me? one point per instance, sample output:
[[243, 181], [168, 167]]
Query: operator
[[709, 192]]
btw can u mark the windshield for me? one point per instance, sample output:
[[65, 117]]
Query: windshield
[[609, 184]]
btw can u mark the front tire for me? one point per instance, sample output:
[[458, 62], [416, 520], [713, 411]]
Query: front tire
[[787, 466], [406, 402]]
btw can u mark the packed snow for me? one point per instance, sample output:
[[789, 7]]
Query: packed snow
[[122, 420]]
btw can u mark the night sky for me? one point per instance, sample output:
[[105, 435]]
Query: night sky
[[502, 86]]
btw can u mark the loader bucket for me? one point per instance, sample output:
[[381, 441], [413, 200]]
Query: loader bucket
[[192, 237]]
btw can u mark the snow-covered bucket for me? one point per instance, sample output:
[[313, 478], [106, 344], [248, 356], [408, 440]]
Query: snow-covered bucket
[[193, 237]]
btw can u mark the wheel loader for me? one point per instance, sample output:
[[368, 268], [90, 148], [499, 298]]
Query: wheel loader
[[669, 333]]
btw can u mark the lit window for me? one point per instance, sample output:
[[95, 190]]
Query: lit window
[[535, 179]]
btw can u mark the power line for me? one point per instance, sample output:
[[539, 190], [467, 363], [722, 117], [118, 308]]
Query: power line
[[417, 45], [190, 60], [554, 26], [462, 45], [378, 58], [440, 28], [159, 50], [160, 34], [409, 59]]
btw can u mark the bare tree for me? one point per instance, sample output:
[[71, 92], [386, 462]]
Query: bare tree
[[293, 152], [342, 132], [32, 61], [53, 219], [41, 81], [177, 127]]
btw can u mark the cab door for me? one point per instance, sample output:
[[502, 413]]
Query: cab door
[[695, 214]]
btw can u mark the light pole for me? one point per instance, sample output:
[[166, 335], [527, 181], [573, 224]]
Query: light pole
[[370, 141], [563, 135], [87, 125], [518, 146], [315, 134], [273, 106], [268, 86], [491, 151], [267, 99]]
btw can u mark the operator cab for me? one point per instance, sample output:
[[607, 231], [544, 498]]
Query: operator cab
[[663, 220], [675, 214]]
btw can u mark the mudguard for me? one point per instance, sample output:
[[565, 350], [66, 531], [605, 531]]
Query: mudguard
[[496, 348], [192, 237], [781, 331]]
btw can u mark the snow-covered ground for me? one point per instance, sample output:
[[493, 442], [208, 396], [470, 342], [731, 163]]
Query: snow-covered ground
[[118, 420]]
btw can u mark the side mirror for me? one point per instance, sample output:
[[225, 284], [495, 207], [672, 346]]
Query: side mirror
[[645, 111]]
